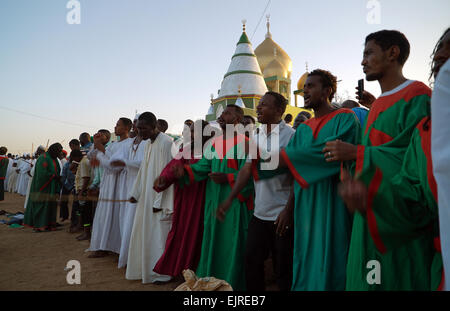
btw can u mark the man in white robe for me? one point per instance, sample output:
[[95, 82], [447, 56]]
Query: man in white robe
[[25, 167], [12, 178], [440, 147], [153, 218], [106, 227], [30, 173], [8, 171], [132, 159]]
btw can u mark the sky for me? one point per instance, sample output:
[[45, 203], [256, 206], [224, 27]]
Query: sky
[[58, 80]]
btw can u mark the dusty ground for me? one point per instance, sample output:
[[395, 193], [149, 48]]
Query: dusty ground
[[36, 261]]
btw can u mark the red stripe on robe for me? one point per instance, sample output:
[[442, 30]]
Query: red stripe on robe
[[378, 138], [248, 201], [302, 182], [360, 149], [190, 173], [425, 137], [381, 104], [316, 124], [371, 219]]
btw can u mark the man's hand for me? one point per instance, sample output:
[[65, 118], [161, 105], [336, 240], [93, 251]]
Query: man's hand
[[223, 208], [339, 151], [118, 163], [133, 200], [366, 100], [354, 193], [218, 178], [159, 182], [285, 221]]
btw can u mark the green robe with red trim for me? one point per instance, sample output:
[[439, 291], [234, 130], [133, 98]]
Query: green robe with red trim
[[387, 135], [413, 192], [223, 245], [322, 224], [41, 207]]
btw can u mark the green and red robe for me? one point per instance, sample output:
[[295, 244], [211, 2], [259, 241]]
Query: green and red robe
[[223, 245], [387, 135], [322, 223], [413, 192], [3, 170], [42, 203]]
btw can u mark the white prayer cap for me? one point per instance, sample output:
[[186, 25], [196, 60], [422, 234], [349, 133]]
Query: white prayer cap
[[137, 116]]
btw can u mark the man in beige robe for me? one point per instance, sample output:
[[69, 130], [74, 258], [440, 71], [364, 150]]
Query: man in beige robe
[[153, 218]]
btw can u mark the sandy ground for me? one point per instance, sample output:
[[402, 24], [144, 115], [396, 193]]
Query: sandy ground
[[36, 261]]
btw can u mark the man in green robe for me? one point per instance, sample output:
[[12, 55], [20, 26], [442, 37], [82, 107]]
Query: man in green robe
[[379, 156], [223, 245], [4, 161], [322, 224], [40, 213], [413, 192]]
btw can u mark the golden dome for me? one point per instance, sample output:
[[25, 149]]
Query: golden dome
[[301, 81], [265, 53], [275, 68]]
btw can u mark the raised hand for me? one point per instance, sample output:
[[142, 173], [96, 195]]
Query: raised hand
[[366, 100]]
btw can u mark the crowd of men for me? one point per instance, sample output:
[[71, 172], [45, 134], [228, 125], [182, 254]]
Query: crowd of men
[[344, 200]]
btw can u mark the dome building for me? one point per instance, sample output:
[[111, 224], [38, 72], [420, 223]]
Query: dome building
[[252, 73], [276, 65], [243, 84]]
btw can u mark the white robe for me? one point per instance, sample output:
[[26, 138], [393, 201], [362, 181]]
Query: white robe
[[12, 179], [150, 229], [8, 173], [132, 158], [440, 153], [22, 183], [106, 228], [29, 183]]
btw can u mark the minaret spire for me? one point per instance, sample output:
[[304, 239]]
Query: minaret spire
[[268, 34]]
